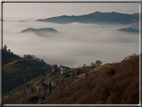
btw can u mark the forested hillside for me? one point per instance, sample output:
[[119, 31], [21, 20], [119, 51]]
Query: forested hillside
[[118, 84]]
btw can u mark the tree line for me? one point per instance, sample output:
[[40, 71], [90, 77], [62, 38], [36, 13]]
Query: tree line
[[25, 56]]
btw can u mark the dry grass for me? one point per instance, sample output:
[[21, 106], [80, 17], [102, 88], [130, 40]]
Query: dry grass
[[81, 76], [100, 68]]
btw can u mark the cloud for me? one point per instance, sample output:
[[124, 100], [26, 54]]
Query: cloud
[[77, 44]]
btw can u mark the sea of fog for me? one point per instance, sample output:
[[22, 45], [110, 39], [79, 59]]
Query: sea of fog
[[77, 43]]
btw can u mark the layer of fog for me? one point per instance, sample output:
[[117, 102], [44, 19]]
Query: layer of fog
[[77, 44]]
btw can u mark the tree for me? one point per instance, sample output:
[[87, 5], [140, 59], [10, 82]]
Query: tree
[[33, 57], [98, 63], [55, 66], [8, 50], [50, 86], [43, 98], [33, 98], [92, 64], [5, 47]]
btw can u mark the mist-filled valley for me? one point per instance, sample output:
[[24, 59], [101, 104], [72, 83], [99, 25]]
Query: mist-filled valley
[[64, 53], [76, 43]]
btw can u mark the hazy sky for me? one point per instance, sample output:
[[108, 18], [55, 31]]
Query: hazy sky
[[44, 10]]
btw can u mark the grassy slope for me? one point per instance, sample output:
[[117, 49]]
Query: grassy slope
[[99, 68], [19, 72]]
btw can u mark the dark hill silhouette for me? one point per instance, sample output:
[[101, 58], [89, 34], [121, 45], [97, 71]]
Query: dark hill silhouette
[[96, 17], [39, 30], [45, 32], [129, 29]]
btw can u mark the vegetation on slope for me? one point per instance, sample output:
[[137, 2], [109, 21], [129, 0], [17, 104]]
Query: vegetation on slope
[[118, 84], [24, 93], [99, 68], [21, 71]]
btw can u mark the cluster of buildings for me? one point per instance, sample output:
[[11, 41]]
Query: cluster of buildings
[[65, 69]]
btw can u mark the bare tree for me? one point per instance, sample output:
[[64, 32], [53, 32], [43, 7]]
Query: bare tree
[[92, 64], [98, 63]]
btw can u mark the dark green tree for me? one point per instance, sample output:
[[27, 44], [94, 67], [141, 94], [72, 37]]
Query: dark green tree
[[50, 86], [5, 48]]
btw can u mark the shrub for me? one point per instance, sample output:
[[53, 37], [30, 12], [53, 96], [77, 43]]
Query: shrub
[[43, 98], [40, 100], [33, 98], [67, 75]]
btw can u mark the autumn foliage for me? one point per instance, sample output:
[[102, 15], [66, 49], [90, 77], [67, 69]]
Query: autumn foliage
[[118, 84]]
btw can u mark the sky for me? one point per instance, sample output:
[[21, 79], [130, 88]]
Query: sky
[[44, 10]]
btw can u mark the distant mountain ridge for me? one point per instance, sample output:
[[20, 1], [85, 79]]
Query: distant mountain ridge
[[96, 17]]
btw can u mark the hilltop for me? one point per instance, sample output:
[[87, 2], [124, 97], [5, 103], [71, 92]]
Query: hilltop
[[8, 56], [39, 30], [96, 17], [45, 32]]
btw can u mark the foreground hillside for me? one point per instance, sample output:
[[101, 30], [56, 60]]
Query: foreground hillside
[[117, 84], [32, 82], [21, 71]]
